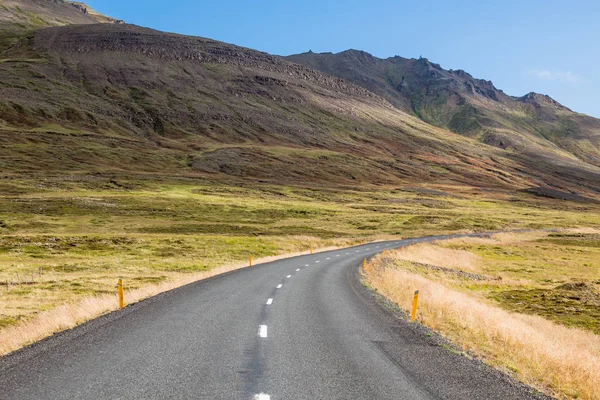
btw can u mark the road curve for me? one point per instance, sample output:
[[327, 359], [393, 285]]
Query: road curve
[[299, 328]]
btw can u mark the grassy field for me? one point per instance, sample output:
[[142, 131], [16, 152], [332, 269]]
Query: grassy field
[[66, 239], [525, 302]]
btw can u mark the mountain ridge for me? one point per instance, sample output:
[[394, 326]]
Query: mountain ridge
[[122, 99], [455, 100], [460, 72], [41, 13]]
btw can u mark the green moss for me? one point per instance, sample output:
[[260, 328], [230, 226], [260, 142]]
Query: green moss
[[465, 120], [580, 309]]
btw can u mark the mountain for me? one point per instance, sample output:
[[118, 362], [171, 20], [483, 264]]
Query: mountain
[[456, 101], [40, 13], [121, 99]]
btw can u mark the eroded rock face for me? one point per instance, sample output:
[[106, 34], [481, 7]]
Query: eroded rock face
[[131, 39], [84, 8]]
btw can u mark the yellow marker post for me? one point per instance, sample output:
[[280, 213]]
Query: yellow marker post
[[121, 294], [250, 260], [365, 265], [311, 250], [413, 315]]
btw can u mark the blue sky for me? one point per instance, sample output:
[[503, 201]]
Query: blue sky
[[544, 46]]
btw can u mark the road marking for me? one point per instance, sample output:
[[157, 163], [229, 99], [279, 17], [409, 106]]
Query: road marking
[[328, 258], [376, 247], [279, 286], [306, 265], [262, 396], [357, 251], [262, 331], [347, 253], [269, 302], [298, 269], [317, 261], [337, 255], [289, 276]]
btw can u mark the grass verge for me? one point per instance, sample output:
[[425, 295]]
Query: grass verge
[[557, 359]]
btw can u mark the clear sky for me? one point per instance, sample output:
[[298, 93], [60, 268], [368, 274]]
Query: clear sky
[[544, 46]]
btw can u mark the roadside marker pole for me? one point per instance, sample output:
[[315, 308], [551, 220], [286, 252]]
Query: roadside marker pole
[[365, 265], [413, 315], [310, 249], [121, 296], [250, 260]]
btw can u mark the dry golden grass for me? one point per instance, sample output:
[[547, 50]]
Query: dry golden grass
[[435, 255], [584, 230], [498, 239], [68, 316], [558, 360]]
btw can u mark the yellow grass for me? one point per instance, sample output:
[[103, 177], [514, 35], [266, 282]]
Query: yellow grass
[[558, 360], [498, 239], [68, 316], [434, 255]]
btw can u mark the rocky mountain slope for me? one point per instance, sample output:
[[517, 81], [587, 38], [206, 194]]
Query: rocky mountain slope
[[39, 13], [472, 107], [119, 98]]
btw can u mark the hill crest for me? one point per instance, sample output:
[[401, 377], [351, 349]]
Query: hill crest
[[455, 100], [41, 13]]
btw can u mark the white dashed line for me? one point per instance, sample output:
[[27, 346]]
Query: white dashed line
[[317, 261], [328, 258], [269, 302], [306, 265], [337, 255], [357, 251], [376, 247], [262, 331], [262, 396], [347, 253], [289, 276], [279, 286], [298, 269], [368, 248]]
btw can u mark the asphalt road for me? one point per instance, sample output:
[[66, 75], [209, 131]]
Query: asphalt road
[[299, 328]]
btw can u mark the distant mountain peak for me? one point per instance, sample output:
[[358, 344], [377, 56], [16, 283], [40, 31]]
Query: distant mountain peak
[[456, 101], [537, 98]]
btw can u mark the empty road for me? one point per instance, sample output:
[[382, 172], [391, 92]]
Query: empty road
[[299, 328]]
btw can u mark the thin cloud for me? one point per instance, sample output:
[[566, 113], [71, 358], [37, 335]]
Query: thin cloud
[[555, 75]]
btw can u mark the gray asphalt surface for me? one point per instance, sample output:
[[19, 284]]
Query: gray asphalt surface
[[327, 337]]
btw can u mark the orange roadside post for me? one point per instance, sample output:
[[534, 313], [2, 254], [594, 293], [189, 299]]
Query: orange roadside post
[[121, 294], [413, 315]]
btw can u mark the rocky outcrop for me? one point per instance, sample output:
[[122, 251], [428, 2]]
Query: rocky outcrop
[[537, 98], [84, 8], [131, 39]]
